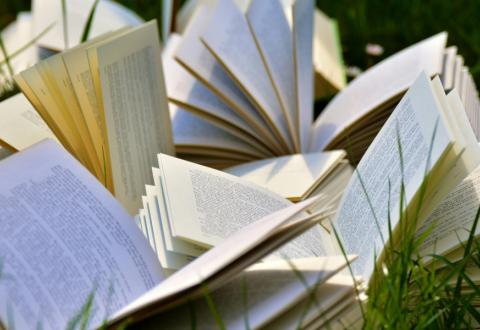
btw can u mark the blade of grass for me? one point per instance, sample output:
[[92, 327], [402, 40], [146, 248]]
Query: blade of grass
[[88, 24], [6, 57], [65, 23], [213, 309]]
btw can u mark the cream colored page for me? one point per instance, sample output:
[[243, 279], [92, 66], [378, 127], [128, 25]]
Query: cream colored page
[[234, 47], [205, 206], [274, 40], [415, 118], [85, 241], [379, 84], [451, 222], [303, 12], [148, 222], [136, 109], [448, 67], [271, 288], [20, 124], [109, 16], [289, 176], [193, 131], [216, 259], [326, 57], [194, 56]]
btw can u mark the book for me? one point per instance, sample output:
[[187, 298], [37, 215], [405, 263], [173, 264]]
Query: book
[[329, 70], [255, 81], [105, 102], [88, 248]]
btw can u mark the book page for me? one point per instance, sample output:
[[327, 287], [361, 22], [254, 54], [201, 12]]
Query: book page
[[270, 287], [192, 131], [303, 12], [376, 86], [451, 222], [375, 185], [235, 49], [292, 176], [63, 237], [136, 109], [20, 124], [274, 40], [109, 16], [205, 206]]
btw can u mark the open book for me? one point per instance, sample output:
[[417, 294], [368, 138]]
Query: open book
[[105, 102], [253, 79], [427, 145], [65, 239]]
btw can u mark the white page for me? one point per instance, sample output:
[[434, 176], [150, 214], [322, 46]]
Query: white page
[[303, 12], [271, 288], [108, 16], [448, 67], [452, 220], [192, 131], [167, 17], [291, 176], [274, 40], [145, 212], [216, 259], [415, 116], [377, 85], [20, 124], [136, 109], [205, 206], [155, 204], [234, 47], [63, 235], [194, 56]]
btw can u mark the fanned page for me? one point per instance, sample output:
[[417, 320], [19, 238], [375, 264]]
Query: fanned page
[[292, 176], [222, 263], [85, 243], [189, 93], [274, 39], [388, 79], [377, 179], [108, 16], [190, 131], [20, 124], [234, 46], [135, 107], [196, 58], [267, 298], [303, 55]]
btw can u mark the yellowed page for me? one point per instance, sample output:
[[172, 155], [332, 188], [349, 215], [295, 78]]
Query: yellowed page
[[135, 108], [230, 40], [20, 124], [292, 176], [64, 123], [388, 79]]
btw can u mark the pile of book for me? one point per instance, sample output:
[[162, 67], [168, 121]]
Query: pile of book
[[96, 210]]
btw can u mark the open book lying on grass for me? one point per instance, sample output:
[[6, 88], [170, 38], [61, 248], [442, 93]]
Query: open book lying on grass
[[66, 243]]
